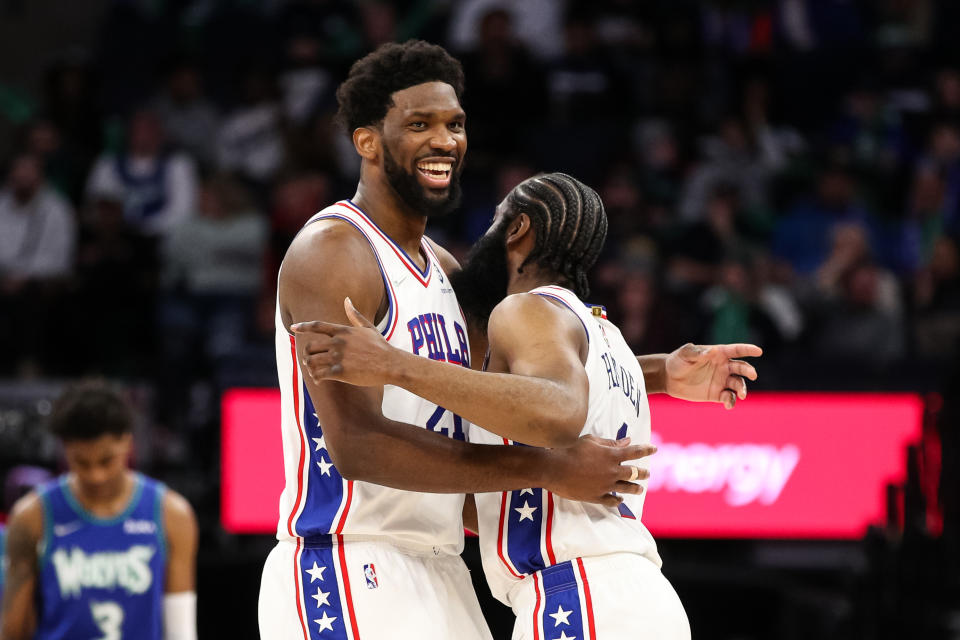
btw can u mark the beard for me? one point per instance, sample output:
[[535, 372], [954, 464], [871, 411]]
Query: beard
[[482, 282], [415, 195]]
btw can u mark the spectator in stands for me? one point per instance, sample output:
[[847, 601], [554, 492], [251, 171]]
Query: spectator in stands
[[734, 308], [211, 275], [802, 237], [661, 168], [158, 187], [188, 118], [937, 299], [114, 256], [943, 155], [64, 163], [539, 24], [250, 142], [648, 320], [925, 221], [211, 270], [858, 324], [500, 66], [703, 246], [857, 302], [38, 238], [745, 157], [71, 103], [946, 98], [869, 129], [850, 246]]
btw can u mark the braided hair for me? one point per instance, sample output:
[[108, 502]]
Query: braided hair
[[570, 225], [367, 94]]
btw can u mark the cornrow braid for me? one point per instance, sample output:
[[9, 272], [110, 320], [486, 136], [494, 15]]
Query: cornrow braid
[[570, 224]]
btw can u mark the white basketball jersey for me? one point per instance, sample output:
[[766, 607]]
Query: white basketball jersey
[[317, 503], [522, 532]]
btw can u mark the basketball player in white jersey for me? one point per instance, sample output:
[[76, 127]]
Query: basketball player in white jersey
[[370, 527], [568, 569]]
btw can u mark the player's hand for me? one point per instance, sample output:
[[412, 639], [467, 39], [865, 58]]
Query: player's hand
[[711, 373], [593, 469], [356, 354]]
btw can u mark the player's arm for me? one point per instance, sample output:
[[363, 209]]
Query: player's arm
[[542, 401], [701, 373], [364, 445], [180, 597], [18, 616]]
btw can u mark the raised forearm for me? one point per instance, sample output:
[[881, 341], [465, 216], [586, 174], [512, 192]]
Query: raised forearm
[[532, 410], [654, 372]]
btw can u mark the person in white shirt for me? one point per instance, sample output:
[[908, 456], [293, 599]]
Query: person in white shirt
[[38, 237], [159, 189]]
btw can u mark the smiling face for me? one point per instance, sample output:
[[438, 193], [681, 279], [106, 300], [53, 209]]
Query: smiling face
[[424, 143]]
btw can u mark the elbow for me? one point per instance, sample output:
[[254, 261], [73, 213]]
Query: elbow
[[562, 427], [345, 461], [350, 454]]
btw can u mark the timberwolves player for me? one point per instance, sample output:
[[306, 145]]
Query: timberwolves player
[[370, 527], [101, 552], [568, 569]]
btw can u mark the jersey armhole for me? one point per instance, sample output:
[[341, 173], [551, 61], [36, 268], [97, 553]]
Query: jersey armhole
[[43, 547], [388, 323], [160, 494]]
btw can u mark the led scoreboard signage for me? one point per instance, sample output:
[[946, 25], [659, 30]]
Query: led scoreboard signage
[[780, 465]]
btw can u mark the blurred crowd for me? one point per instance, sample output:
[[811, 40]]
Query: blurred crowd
[[785, 173]]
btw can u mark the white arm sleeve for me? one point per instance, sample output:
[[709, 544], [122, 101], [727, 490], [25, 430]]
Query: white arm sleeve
[[180, 616]]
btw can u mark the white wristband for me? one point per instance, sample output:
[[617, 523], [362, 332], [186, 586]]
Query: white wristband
[[180, 616]]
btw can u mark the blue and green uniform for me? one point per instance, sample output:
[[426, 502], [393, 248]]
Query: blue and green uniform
[[102, 577]]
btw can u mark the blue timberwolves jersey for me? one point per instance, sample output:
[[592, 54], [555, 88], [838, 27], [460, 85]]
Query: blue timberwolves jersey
[[102, 578]]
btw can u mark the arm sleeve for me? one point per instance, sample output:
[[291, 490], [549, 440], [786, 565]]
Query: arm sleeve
[[180, 616]]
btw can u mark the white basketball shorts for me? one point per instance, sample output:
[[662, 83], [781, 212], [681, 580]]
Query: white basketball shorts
[[366, 591], [621, 595]]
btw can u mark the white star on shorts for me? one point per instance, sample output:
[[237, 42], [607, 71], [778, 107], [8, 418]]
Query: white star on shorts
[[560, 616], [316, 572], [526, 511], [326, 622], [321, 597], [564, 636]]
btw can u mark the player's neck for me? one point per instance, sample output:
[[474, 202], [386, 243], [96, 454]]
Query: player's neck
[[529, 279], [109, 504], [381, 204]]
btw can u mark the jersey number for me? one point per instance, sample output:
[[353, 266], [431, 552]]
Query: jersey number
[[109, 617], [457, 424]]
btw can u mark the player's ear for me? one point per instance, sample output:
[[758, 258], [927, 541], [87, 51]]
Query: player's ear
[[519, 229], [366, 140]]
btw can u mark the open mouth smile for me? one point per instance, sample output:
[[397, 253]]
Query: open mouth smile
[[435, 172]]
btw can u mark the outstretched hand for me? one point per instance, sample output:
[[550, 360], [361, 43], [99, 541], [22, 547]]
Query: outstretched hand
[[355, 354], [711, 373]]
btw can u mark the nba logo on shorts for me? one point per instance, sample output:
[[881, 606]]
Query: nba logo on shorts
[[371, 575]]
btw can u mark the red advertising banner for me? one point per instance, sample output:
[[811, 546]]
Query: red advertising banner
[[780, 465]]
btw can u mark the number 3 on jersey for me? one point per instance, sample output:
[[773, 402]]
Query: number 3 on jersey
[[109, 617], [457, 424]]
